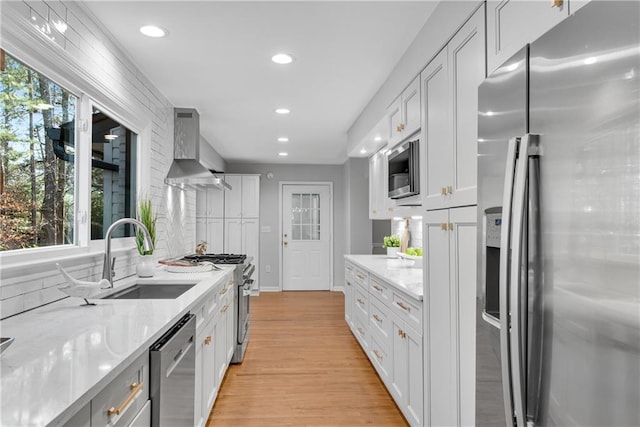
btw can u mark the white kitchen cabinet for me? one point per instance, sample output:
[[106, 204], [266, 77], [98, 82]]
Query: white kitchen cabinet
[[403, 115], [406, 372], [243, 201], [250, 196], [206, 386], [449, 237], [233, 197], [221, 332], [511, 24], [128, 393], [450, 117], [390, 335], [380, 205], [233, 235], [82, 418], [210, 203], [348, 294], [215, 235]]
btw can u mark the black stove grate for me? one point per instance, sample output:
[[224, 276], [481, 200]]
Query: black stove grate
[[218, 258]]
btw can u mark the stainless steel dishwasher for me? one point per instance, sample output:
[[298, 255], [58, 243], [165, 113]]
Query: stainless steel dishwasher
[[172, 375]]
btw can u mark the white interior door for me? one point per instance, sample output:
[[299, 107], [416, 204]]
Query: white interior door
[[306, 237]]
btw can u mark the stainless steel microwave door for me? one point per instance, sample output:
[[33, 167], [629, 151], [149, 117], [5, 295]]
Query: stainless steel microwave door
[[585, 105]]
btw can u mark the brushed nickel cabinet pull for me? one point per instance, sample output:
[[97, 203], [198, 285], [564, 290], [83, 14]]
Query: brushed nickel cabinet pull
[[375, 316], [377, 355], [377, 288]]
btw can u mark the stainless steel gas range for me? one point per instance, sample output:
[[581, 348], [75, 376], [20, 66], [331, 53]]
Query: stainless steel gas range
[[244, 269]]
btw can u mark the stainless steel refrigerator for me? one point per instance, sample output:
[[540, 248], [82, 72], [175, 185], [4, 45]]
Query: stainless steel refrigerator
[[558, 320]]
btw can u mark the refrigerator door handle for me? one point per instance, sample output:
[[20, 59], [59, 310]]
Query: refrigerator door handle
[[518, 275], [505, 238]]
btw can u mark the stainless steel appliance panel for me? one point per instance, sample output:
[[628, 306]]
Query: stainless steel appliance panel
[[173, 367], [585, 105], [502, 106], [569, 318]]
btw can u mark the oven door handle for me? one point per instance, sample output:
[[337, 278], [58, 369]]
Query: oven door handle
[[249, 272]]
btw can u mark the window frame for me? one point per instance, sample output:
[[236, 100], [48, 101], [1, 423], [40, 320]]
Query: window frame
[[12, 262]]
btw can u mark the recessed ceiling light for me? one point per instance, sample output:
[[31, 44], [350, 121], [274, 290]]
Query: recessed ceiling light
[[282, 58], [377, 138], [153, 31], [363, 151], [283, 139], [282, 110], [283, 154]]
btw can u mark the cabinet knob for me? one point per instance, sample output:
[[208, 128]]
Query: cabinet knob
[[401, 126], [450, 226], [443, 226], [207, 340], [449, 190], [443, 191], [556, 3]]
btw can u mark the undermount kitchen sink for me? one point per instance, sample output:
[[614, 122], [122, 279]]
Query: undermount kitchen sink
[[151, 291]]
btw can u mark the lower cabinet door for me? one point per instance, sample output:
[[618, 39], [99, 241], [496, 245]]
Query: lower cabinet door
[[220, 347], [400, 370], [415, 393], [209, 384]]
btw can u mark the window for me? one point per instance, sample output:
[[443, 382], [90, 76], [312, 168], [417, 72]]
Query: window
[[37, 168], [305, 223], [41, 183], [113, 195]]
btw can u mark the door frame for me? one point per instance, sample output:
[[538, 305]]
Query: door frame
[[281, 185]]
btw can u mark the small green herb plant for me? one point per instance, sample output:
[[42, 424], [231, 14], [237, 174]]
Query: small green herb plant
[[148, 219], [391, 242]]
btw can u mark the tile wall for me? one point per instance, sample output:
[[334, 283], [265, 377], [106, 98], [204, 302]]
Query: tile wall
[[90, 48]]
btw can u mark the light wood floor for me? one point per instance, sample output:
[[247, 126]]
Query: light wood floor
[[303, 367]]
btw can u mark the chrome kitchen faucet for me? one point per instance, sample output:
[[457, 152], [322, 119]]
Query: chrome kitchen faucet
[[107, 268]]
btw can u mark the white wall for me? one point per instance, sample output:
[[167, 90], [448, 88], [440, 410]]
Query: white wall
[[446, 19], [359, 230], [85, 60], [269, 213]]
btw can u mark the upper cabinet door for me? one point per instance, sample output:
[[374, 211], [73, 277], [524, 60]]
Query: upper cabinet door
[[233, 197], [215, 203], [394, 117], [403, 115], [437, 130], [511, 24], [467, 70], [411, 108], [251, 196]]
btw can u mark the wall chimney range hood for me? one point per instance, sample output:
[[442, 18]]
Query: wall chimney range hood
[[187, 171]]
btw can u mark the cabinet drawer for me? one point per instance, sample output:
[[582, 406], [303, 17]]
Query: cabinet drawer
[[361, 277], [361, 299], [126, 394], [361, 331], [349, 268], [380, 320], [380, 289], [408, 310], [379, 355], [205, 310]]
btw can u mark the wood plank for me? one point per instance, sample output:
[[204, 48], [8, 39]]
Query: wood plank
[[303, 367]]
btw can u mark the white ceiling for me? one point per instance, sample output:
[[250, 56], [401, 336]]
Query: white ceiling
[[217, 58]]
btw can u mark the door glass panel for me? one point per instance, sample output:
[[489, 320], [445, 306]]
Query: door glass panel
[[305, 216]]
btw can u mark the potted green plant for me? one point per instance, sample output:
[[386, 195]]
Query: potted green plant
[[392, 243], [148, 218]]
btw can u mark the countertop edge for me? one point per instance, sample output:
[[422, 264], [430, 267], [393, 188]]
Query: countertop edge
[[356, 259]]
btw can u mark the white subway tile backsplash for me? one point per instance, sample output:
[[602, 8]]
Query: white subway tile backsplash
[[21, 288]]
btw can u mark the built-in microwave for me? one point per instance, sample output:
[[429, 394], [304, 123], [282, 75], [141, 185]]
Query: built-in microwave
[[404, 170]]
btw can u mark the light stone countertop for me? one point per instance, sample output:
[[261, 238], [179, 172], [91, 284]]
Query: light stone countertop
[[397, 272], [64, 353]]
